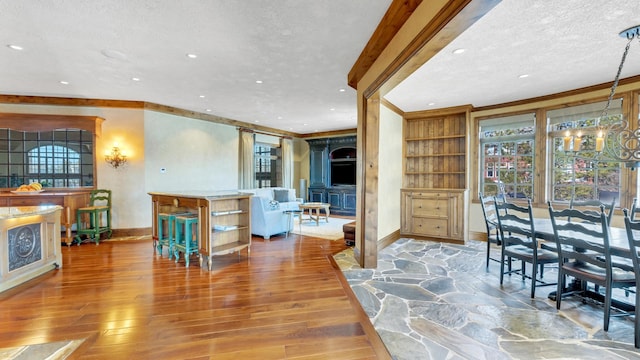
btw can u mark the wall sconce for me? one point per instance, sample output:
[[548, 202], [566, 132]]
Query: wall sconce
[[116, 158]]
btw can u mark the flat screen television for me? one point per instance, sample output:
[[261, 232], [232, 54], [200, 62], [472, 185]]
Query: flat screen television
[[343, 173]]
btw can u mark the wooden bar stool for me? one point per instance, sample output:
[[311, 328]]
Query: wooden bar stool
[[185, 240], [99, 204]]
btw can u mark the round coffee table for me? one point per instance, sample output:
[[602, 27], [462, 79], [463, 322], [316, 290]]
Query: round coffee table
[[317, 206]]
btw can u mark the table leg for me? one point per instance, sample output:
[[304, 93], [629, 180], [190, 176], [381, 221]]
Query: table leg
[[68, 240]]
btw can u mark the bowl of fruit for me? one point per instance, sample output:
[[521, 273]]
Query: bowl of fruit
[[33, 188]]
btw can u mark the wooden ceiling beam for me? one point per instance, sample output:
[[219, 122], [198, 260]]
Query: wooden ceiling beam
[[397, 14]]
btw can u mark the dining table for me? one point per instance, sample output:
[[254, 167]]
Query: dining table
[[618, 245]]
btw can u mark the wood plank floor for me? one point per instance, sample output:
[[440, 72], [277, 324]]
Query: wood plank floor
[[287, 301]]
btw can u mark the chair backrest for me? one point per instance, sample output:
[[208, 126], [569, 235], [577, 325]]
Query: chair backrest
[[635, 208], [489, 212], [633, 236], [593, 207], [585, 240], [516, 224], [100, 197]]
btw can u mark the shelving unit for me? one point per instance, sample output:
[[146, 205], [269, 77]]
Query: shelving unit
[[434, 194], [230, 225], [224, 220]]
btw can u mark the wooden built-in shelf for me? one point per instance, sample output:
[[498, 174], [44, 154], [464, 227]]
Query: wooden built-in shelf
[[434, 193], [456, 136]]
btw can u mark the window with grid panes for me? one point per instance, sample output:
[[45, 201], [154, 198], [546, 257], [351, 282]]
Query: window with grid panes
[[267, 165], [587, 179], [507, 155], [59, 158]]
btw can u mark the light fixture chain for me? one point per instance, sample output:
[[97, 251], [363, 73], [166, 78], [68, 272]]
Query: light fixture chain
[[615, 82]]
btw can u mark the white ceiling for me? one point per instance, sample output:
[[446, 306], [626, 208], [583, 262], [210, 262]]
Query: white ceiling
[[561, 44], [302, 50]]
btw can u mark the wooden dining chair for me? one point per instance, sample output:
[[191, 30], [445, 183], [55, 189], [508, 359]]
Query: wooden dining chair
[[517, 234], [633, 235], [491, 222], [635, 209], [592, 207], [583, 244]]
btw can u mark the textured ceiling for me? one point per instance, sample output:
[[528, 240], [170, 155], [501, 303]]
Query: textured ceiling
[[302, 51], [561, 45]]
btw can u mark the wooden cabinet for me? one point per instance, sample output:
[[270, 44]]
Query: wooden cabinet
[[224, 220], [333, 173], [434, 195], [70, 202], [30, 243], [434, 213]]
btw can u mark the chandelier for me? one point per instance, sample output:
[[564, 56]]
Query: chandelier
[[614, 140]]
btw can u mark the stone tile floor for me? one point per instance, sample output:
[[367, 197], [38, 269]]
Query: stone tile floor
[[431, 300]]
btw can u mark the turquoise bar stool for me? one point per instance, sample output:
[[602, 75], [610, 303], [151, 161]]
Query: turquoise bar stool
[[186, 237], [165, 237]]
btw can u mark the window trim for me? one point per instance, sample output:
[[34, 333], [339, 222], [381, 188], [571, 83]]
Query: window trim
[[542, 187], [47, 122]]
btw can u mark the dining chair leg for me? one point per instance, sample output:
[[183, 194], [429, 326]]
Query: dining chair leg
[[534, 273], [636, 331], [488, 251], [502, 268], [522, 268], [607, 307], [560, 287]]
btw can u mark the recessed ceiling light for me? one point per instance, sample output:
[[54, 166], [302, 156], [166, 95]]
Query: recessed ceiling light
[[64, 82], [208, 110], [135, 79], [332, 109], [15, 47], [201, 96], [431, 104], [192, 56], [113, 54], [342, 90], [523, 76], [459, 51], [279, 117], [258, 81], [256, 121]]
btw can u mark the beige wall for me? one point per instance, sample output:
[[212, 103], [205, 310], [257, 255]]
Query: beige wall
[[390, 172], [131, 204], [197, 155]]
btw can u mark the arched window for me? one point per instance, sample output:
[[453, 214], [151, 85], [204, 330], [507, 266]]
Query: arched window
[[54, 166]]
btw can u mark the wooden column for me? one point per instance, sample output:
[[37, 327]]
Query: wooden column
[[420, 30]]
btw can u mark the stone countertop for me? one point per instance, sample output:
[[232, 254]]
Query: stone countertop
[[22, 211]]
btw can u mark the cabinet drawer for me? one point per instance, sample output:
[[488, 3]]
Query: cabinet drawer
[[35, 200], [430, 227], [430, 207]]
